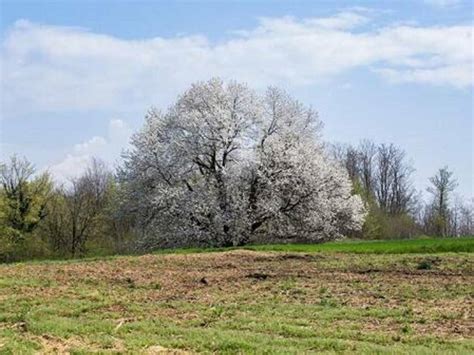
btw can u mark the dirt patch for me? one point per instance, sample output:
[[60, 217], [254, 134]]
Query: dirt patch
[[157, 349], [55, 345], [287, 256], [258, 276]]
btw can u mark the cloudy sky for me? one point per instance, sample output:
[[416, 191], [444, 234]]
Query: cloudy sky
[[78, 77]]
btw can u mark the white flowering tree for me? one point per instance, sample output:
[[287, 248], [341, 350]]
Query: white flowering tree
[[225, 165]]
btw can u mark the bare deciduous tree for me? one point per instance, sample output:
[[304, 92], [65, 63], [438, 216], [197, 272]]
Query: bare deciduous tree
[[84, 200], [402, 194], [443, 184], [367, 151], [466, 219], [384, 176], [383, 173]]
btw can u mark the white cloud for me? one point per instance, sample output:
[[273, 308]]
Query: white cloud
[[446, 75], [92, 145], [49, 68], [443, 3], [70, 167], [341, 21], [107, 149]]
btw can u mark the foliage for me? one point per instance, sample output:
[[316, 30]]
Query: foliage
[[23, 197], [23, 200]]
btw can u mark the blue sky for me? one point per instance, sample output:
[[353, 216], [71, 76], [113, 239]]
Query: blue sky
[[78, 77]]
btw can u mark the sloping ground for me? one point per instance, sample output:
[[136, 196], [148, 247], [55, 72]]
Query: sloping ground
[[247, 301]]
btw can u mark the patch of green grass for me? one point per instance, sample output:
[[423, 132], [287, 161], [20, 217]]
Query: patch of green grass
[[402, 246], [420, 246]]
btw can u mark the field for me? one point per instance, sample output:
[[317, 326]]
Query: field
[[366, 297]]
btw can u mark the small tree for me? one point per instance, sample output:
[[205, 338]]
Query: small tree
[[466, 223], [84, 202], [24, 197], [77, 211], [56, 227], [443, 183]]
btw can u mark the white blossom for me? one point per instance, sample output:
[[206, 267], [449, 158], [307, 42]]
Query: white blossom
[[225, 165]]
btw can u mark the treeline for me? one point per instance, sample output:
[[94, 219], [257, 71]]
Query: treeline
[[39, 218], [225, 166], [382, 175], [86, 216]]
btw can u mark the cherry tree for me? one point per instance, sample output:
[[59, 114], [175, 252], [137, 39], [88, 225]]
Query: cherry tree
[[224, 165]]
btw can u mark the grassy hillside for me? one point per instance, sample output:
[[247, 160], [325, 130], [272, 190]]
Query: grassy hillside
[[330, 297]]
